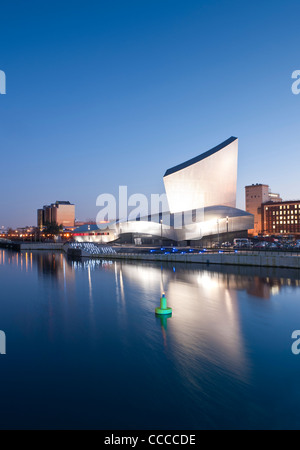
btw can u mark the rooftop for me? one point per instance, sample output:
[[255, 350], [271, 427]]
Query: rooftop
[[192, 161]]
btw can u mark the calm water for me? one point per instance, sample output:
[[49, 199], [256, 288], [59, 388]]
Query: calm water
[[85, 350]]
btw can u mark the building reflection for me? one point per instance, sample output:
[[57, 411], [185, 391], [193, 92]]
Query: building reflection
[[205, 327], [53, 265]]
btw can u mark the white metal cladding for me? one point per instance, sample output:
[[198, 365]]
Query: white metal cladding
[[208, 182]]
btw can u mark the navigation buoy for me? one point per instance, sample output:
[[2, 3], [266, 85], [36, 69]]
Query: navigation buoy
[[164, 309]]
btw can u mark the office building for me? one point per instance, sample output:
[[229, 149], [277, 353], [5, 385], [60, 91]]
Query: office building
[[40, 218], [281, 218], [60, 212]]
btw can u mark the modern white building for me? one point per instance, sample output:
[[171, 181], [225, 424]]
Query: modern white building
[[207, 180], [201, 195]]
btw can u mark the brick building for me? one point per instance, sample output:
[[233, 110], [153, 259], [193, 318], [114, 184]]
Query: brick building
[[255, 195], [281, 218]]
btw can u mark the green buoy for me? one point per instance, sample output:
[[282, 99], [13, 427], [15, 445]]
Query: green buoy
[[163, 306]]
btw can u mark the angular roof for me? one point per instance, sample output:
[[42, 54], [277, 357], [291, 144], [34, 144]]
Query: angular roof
[[192, 161]]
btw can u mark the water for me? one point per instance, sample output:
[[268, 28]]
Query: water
[[85, 350]]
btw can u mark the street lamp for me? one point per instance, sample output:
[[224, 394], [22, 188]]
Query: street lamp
[[227, 221], [218, 232], [161, 222]]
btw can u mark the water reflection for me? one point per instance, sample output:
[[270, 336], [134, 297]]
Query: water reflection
[[204, 301], [202, 358]]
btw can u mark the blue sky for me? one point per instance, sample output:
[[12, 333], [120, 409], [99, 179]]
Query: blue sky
[[109, 93]]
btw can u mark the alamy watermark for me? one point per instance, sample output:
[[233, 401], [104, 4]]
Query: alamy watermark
[[138, 207], [296, 344], [296, 84], [2, 343], [2, 82]]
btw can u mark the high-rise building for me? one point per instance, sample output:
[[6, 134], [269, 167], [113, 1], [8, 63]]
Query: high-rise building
[[255, 196], [60, 212], [63, 213], [40, 218], [47, 214], [281, 218]]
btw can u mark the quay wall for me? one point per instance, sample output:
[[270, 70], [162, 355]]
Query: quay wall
[[262, 259], [243, 258], [41, 246]]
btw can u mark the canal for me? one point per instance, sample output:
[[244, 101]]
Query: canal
[[84, 348]]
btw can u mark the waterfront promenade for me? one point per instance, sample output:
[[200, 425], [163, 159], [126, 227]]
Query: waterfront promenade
[[259, 258]]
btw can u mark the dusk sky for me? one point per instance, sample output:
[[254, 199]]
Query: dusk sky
[[109, 93]]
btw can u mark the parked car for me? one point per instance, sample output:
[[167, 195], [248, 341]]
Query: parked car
[[272, 246], [261, 244], [226, 244]]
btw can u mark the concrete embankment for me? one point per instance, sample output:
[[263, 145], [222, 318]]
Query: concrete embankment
[[41, 246], [262, 259], [241, 258]]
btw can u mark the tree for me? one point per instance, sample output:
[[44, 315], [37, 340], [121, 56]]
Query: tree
[[52, 228]]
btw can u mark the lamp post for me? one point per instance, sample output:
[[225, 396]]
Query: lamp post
[[161, 235], [227, 221], [218, 233]]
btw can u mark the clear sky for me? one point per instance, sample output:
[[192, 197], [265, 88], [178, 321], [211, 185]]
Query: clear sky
[[109, 93]]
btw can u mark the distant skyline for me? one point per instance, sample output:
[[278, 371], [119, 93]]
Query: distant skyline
[[101, 94]]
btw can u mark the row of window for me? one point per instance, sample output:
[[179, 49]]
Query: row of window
[[283, 231], [283, 213], [289, 222], [284, 206]]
